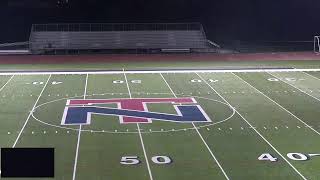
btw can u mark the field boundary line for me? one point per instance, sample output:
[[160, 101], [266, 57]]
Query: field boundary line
[[79, 136], [27, 120], [294, 86], [156, 71], [255, 129], [6, 83], [278, 105], [204, 142], [140, 135]]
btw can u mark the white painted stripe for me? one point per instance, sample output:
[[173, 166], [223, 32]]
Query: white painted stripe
[[85, 87], [311, 75], [140, 135], [255, 130], [205, 143], [25, 123], [278, 105], [168, 86], [77, 154], [125, 76], [144, 152], [211, 153], [6, 83], [294, 87], [157, 71], [79, 136]]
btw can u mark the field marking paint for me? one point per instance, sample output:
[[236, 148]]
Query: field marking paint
[[278, 105], [139, 132], [25, 123], [107, 131], [79, 136], [310, 75], [6, 83], [125, 77], [144, 152], [168, 85], [256, 131], [157, 71], [294, 86], [204, 142]]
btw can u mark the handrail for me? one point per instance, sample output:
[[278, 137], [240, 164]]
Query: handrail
[[14, 44], [115, 26]]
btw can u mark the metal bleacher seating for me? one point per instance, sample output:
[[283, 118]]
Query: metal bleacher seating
[[45, 37]]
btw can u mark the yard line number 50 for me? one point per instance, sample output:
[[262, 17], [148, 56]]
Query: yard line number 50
[[133, 160]]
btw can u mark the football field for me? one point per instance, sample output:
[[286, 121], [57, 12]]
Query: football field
[[169, 124]]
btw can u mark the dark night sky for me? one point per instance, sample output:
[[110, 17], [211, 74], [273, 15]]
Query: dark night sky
[[222, 19]]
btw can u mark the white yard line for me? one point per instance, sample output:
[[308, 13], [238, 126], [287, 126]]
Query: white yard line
[[79, 136], [294, 87], [6, 83], [278, 105], [140, 135], [205, 143], [144, 152], [27, 120], [125, 76], [158, 71], [77, 154], [168, 85], [310, 75], [210, 151], [255, 130]]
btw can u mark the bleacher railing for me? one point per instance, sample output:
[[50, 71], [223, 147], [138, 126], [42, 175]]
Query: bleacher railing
[[117, 27]]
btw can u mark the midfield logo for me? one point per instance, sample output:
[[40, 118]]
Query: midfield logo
[[79, 111]]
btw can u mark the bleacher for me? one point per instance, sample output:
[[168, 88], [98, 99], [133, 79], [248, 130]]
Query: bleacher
[[162, 37]]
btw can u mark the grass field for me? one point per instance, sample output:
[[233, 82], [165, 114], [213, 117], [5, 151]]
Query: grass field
[[265, 125]]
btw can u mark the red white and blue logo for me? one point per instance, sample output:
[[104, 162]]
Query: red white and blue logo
[[79, 111]]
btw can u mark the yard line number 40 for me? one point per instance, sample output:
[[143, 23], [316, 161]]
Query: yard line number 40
[[292, 156]]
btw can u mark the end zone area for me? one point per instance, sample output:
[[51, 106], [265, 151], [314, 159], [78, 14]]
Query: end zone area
[[264, 123]]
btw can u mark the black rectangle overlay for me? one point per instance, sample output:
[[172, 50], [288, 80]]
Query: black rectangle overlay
[[27, 162]]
